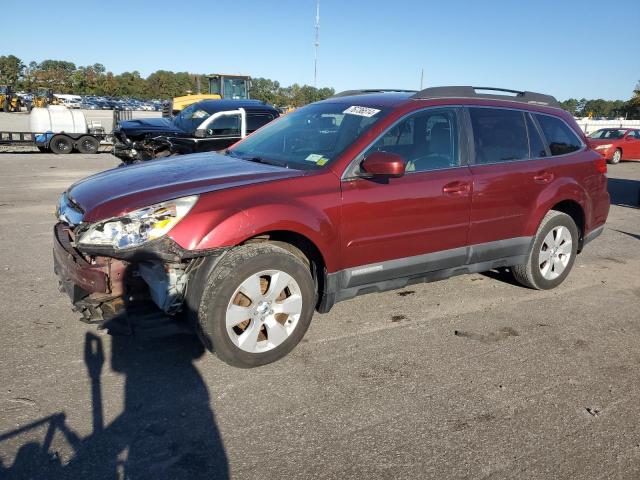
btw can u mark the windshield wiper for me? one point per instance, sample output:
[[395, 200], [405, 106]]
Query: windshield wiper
[[265, 161]]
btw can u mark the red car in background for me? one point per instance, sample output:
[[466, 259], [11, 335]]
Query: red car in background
[[616, 144]]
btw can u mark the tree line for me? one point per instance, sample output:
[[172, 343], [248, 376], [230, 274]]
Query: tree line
[[605, 108], [66, 77]]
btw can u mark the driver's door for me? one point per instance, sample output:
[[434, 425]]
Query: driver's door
[[390, 225]]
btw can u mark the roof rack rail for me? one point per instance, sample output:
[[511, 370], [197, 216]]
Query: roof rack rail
[[364, 91], [478, 92]]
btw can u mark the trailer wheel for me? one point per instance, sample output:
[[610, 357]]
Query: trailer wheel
[[61, 144], [88, 144]]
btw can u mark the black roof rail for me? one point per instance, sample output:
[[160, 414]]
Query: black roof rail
[[364, 91], [473, 92]]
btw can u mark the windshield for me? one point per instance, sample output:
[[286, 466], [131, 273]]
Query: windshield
[[310, 137], [605, 133], [191, 117]]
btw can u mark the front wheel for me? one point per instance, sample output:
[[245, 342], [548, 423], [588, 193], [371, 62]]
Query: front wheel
[[552, 255], [256, 305], [617, 156]]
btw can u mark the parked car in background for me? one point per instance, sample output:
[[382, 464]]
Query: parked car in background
[[616, 144], [360, 193], [208, 125]]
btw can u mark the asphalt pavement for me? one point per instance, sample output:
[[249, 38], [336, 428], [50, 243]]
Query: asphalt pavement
[[472, 377]]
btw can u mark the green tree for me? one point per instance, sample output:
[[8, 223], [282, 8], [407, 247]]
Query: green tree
[[56, 74], [11, 68]]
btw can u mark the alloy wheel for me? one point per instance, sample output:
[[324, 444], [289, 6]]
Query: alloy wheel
[[555, 253], [264, 311]]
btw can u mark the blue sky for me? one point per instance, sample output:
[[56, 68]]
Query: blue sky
[[565, 48]]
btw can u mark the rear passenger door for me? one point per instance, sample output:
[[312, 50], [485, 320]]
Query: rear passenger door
[[511, 167]]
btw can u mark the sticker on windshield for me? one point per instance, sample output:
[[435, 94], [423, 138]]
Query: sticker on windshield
[[361, 111], [314, 157]]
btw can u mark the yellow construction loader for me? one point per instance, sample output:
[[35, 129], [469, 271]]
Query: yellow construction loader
[[220, 86], [9, 101]]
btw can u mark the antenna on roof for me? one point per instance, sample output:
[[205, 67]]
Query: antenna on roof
[[317, 44]]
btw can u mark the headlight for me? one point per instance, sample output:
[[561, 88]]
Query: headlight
[[139, 226], [604, 147]]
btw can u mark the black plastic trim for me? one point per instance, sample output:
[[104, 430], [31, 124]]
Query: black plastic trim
[[393, 274]]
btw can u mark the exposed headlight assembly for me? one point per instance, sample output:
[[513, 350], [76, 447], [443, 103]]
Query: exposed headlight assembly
[[137, 227], [604, 147]]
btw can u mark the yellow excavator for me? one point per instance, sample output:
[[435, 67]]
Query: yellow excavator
[[220, 86]]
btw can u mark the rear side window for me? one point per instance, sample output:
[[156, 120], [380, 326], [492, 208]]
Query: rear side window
[[499, 135], [560, 138], [257, 120]]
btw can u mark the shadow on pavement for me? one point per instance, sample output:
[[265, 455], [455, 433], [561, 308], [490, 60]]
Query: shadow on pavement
[[166, 430], [624, 192]]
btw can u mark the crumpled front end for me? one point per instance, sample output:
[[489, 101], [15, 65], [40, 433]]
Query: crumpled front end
[[103, 283]]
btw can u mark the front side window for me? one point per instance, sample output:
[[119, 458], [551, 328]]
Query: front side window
[[634, 134], [191, 117], [499, 135], [560, 138], [224, 126], [427, 140], [310, 137]]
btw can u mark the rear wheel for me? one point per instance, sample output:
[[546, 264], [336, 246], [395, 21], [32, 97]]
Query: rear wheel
[[617, 156], [256, 305], [552, 255], [88, 144], [60, 144]]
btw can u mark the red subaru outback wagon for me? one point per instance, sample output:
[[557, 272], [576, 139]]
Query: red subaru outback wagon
[[367, 191]]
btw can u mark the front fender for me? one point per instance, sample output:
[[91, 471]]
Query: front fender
[[235, 226]]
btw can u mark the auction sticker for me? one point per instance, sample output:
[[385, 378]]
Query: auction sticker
[[361, 111]]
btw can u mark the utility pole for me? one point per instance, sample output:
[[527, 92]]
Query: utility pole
[[421, 77], [317, 44]]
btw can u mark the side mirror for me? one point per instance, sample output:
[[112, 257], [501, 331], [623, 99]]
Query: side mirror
[[383, 164], [628, 138]]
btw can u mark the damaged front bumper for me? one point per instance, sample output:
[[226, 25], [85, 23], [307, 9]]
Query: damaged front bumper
[[102, 284]]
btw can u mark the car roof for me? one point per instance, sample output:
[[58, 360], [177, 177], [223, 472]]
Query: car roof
[[449, 95], [224, 104]]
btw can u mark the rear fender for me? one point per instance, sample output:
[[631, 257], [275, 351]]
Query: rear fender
[[562, 190]]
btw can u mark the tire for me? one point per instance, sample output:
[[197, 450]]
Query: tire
[[616, 157], [268, 336], [61, 144], [88, 144], [544, 275], [6, 106]]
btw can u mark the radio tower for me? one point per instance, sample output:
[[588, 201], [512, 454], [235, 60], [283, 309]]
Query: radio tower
[[317, 44]]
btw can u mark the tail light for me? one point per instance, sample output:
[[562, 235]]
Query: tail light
[[601, 165]]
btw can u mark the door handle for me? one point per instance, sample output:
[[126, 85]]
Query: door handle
[[457, 188], [543, 177]]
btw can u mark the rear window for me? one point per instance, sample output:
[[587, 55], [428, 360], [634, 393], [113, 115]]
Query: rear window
[[560, 138], [500, 135]]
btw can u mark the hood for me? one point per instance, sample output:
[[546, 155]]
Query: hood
[[133, 128], [115, 192]]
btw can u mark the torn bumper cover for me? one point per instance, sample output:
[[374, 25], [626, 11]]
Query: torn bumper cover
[[100, 286]]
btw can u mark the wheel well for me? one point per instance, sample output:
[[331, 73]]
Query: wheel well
[[301, 247], [574, 210]]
